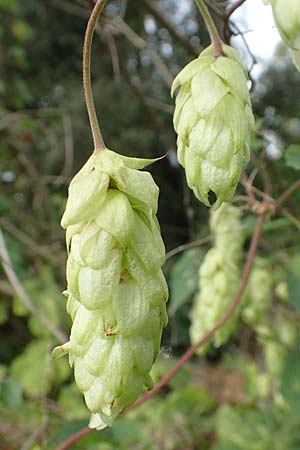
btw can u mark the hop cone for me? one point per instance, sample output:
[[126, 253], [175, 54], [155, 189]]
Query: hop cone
[[116, 290], [287, 17], [213, 119], [225, 223], [219, 278], [258, 295], [281, 339]]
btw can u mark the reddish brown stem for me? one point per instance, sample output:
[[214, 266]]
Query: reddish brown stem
[[190, 352], [74, 438], [233, 7], [287, 193]]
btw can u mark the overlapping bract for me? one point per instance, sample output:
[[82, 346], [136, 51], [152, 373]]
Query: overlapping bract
[[213, 119], [219, 278], [287, 18], [116, 289]]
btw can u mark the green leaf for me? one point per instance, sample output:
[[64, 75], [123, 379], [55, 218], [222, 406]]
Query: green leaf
[[242, 430], [290, 381], [65, 431], [11, 394], [293, 282], [3, 312], [72, 402], [187, 400], [292, 157], [184, 278], [35, 371]]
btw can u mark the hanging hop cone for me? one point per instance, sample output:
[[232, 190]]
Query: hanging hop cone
[[277, 342], [219, 278], [116, 290], [228, 232], [213, 120], [258, 295], [287, 18]]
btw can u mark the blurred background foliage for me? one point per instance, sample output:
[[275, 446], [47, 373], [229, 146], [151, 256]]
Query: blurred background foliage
[[243, 396]]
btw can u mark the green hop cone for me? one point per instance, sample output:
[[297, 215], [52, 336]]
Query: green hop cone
[[229, 236], [116, 290], [258, 295], [287, 18], [219, 278], [282, 339], [213, 119]]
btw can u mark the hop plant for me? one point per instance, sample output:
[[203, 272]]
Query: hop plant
[[213, 119], [258, 295], [219, 278], [287, 18], [116, 290]]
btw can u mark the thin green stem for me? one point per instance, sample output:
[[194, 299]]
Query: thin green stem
[[213, 32], [86, 68]]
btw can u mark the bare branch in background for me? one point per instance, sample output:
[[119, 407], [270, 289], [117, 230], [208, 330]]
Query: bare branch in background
[[45, 252], [22, 294], [69, 150], [182, 40], [122, 27], [225, 31], [167, 138]]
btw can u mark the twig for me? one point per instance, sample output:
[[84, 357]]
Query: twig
[[122, 27], [187, 246], [45, 252], [291, 217], [227, 15], [248, 184], [166, 137], [287, 193], [74, 438], [69, 150], [190, 352], [233, 7], [161, 106], [35, 435], [185, 43], [22, 294], [114, 55]]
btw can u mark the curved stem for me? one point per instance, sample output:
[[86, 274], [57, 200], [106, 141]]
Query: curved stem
[[86, 69], [191, 350], [213, 32]]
